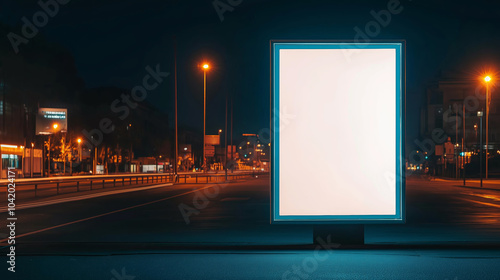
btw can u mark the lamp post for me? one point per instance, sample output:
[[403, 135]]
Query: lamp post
[[232, 163], [225, 144], [54, 126], [31, 158], [480, 115], [487, 80], [220, 143], [205, 69], [176, 155], [79, 140]]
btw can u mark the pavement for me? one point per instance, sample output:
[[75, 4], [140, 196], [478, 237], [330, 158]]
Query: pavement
[[489, 184], [222, 231]]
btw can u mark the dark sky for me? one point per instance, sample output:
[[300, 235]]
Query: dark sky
[[114, 40]]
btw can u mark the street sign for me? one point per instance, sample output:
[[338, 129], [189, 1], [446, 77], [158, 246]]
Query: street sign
[[337, 140], [209, 150], [212, 140]]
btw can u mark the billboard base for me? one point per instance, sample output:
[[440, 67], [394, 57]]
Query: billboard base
[[339, 234]]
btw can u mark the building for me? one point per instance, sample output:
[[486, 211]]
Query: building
[[253, 152], [451, 110], [14, 124]]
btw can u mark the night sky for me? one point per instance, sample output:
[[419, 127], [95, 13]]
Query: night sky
[[113, 41]]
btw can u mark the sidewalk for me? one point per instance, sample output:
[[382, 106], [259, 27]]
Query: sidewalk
[[474, 183], [489, 184]]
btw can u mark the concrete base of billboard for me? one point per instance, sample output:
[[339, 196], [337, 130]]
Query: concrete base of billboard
[[338, 235]]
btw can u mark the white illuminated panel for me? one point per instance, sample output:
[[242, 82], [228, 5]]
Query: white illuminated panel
[[336, 132]]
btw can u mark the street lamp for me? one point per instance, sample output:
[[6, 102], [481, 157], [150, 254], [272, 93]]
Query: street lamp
[[79, 140], [487, 80], [31, 158], [54, 126], [205, 69], [220, 142], [480, 115]]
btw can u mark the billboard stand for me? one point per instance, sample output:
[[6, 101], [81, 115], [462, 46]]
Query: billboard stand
[[339, 234]]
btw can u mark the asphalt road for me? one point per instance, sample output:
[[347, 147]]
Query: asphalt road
[[222, 231]]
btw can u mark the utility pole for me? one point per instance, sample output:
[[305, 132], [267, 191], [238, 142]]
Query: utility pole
[[456, 141], [48, 159], [175, 111], [225, 142], [480, 115], [204, 117], [487, 122], [463, 141], [31, 158], [232, 161]]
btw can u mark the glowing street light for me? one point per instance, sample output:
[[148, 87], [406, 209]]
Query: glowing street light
[[205, 69], [55, 126], [487, 80], [79, 140]]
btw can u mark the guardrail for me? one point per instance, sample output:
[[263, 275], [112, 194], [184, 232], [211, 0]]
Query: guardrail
[[101, 182]]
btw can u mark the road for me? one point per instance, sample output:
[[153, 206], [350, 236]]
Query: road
[[225, 233]]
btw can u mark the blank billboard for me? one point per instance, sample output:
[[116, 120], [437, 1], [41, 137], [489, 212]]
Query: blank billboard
[[337, 132]]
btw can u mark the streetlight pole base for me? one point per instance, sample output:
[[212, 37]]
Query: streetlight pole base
[[339, 234]]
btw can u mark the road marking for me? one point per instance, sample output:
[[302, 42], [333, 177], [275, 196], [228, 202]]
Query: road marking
[[82, 197], [484, 203], [2, 242]]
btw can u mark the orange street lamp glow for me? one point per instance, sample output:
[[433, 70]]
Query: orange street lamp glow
[[206, 66], [79, 140], [55, 126], [487, 79]]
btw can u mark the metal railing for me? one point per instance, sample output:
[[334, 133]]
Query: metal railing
[[57, 186]]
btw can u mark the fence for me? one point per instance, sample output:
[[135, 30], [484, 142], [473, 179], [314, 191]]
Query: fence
[[47, 187]]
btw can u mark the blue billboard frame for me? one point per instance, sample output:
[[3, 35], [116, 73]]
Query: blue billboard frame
[[399, 216]]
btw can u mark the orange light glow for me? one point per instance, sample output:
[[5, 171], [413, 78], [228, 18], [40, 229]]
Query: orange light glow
[[79, 140], [206, 66], [55, 126], [487, 79]]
